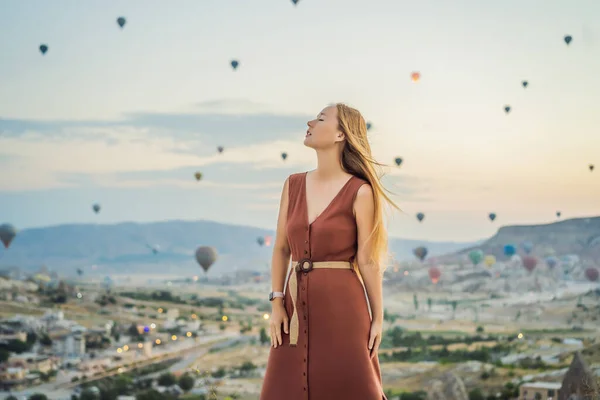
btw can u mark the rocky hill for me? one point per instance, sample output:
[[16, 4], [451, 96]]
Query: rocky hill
[[129, 247]]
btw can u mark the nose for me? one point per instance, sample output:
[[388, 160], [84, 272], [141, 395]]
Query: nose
[[309, 123]]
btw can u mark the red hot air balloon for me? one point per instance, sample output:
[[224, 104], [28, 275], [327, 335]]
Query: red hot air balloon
[[529, 262], [434, 274], [592, 274], [267, 240]]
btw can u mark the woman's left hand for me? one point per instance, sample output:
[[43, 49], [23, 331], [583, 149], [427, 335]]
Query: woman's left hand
[[375, 337]]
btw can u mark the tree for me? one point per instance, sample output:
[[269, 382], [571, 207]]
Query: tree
[[4, 355], [454, 304], [38, 396], [264, 338], [476, 394], [88, 395], [186, 382], [429, 302], [415, 302], [479, 329], [167, 379]]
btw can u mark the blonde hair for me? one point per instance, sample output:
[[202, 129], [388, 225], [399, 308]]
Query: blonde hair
[[357, 160]]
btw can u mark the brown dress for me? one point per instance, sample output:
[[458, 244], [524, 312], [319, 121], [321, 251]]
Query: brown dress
[[331, 360]]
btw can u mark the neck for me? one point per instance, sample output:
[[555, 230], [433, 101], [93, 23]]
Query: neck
[[329, 163]]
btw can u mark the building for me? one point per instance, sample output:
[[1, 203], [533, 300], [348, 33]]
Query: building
[[70, 345], [539, 391]]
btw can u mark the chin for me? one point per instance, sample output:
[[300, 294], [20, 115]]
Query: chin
[[307, 142]]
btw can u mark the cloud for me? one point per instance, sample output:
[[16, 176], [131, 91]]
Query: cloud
[[206, 130]]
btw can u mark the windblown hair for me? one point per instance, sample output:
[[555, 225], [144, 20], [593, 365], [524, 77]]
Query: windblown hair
[[358, 161]]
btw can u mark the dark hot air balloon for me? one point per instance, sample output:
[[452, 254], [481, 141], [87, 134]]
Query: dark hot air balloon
[[558, 214], [295, 1], [198, 175], [220, 149], [398, 161], [420, 252], [121, 21], [234, 64], [591, 167], [568, 39], [284, 156], [7, 234], [43, 48], [507, 109], [260, 240], [369, 126], [96, 208], [592, 274], [524, 83], [206, 256], [492, 216], [434, 274], [529, 262], [420, 216]]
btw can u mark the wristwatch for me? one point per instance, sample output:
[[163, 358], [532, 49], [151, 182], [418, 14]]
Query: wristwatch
[[272, 295]]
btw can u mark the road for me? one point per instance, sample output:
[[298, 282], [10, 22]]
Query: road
[[62, 387]]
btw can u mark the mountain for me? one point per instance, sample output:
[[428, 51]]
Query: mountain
[[127, 247], [579, 236]]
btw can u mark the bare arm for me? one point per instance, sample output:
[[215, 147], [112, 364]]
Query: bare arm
[[364, 209], [281, 247]]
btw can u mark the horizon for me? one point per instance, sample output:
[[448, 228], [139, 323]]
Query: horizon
[[125, 117]]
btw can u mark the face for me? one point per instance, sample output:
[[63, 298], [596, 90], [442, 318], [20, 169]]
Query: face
[[323, 132]]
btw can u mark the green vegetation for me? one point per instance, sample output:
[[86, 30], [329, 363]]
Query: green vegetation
[[398, 337]]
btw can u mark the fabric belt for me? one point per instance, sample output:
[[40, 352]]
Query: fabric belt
[[305, 265]]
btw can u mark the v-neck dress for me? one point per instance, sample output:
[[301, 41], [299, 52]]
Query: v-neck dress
[[331, 360]]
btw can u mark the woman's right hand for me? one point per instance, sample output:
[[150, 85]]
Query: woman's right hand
[[278, 318]]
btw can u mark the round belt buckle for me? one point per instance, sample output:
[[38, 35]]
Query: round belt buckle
[[305, 265]]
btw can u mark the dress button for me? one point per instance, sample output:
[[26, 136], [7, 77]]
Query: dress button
[[303, 303], [305, 317], [305, 251], [305, 331], [305, 360], [306, 241], [304, 373]]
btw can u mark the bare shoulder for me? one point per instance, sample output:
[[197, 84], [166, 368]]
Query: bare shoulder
[[365, 191]]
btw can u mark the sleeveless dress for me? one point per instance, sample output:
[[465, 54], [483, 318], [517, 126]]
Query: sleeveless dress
[[331, 360]]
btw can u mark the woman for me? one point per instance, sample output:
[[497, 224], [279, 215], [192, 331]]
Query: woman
[[324, 342]]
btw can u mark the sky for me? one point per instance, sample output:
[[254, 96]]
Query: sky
[[125, 117]]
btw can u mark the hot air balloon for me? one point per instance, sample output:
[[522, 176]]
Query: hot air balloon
[[268, 240], [489, 260], [398, 161], [7, 234], [529, 262], [592, 274], [43, 48], [510, 250], [96, 208], [220, 149], [420, 252], [476, 256], [369, 126], [568, 39], [507, 109], [198, 175], [434, 274], [524, 83], [415, 76], [492, 216], [527, 247], [79, 271], [295, 1], [420, 216], [551, 262], [260, 240], [206, 256], [284, 156], [121, 21], [234, 64], [591, 167], [558, 214]]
